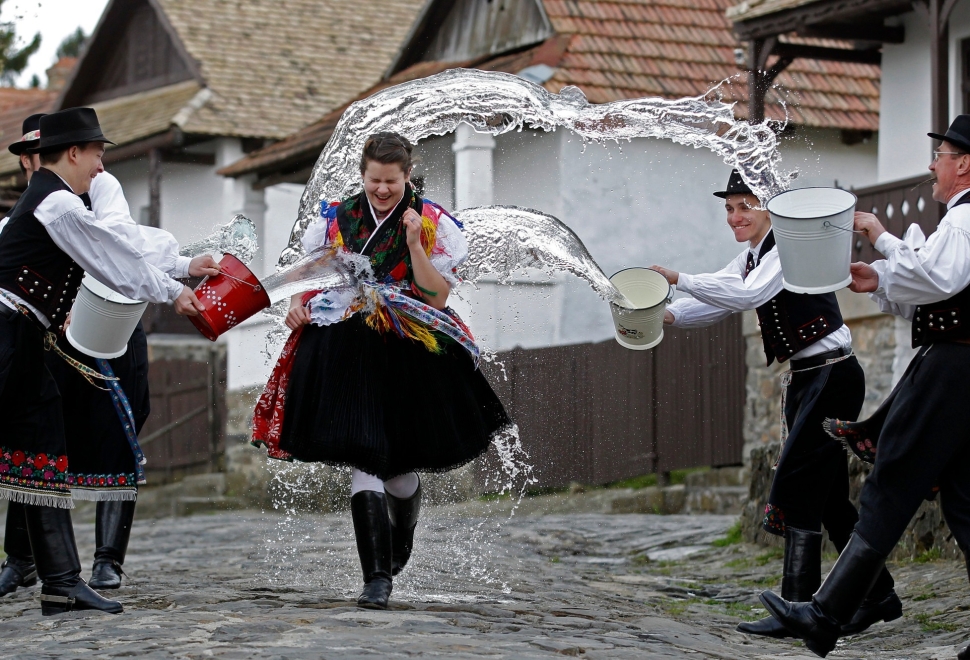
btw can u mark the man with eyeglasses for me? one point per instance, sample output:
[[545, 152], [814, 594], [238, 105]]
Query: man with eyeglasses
[[923, 441]]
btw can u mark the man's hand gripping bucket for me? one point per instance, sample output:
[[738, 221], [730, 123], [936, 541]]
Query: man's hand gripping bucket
[[229, 298], [642, 326]]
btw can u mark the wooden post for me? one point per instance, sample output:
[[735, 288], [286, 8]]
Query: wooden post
[[756, 86], [154, 187]]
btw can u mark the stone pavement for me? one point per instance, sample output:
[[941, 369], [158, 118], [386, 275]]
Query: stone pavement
[[540, 584]]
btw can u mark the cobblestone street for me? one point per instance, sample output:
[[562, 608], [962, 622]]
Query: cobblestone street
[[541, 584]]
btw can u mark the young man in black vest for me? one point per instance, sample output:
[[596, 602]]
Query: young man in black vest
[[97, 442], [811, 484], [50, 240], [923, 440]]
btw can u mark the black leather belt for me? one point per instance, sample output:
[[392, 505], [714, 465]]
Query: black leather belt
[[819, 360]]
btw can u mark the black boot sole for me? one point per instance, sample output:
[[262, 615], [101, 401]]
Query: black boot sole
[[820, 647]]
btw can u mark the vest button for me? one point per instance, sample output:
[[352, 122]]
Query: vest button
[[31, 290], [20, 279]]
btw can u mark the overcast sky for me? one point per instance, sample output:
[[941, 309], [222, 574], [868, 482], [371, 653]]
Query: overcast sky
[[54, 19]]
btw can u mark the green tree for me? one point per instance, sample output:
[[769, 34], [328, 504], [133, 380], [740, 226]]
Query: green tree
[[13, 60], [72, 44]]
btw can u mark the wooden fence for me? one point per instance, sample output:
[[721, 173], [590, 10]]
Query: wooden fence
[[898, 205], [596, 413], [185, 433]]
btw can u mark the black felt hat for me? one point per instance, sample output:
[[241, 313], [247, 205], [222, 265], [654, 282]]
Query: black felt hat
[[958, 134], [60, 130], [31, 136], [735, 186]]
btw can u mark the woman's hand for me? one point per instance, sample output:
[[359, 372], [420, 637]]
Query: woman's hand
[[671, 275], [412, 222], [298, 315]]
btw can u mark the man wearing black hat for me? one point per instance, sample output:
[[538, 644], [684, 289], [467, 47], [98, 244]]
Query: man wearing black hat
[[50, 240], [811, 483], [97, 440], [923, 441]]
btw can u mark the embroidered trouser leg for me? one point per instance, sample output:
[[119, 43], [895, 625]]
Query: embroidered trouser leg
[[925, 442]]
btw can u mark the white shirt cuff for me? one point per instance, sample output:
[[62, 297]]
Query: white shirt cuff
[[181, 267], [886, 243], [174, 289], [685, 282]]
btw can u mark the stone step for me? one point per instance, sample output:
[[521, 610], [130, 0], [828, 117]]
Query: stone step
[[726, 500], [188, 505]]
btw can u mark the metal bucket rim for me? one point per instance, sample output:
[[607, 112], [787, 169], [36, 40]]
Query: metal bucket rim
[[128, 302], [855, 199], [665, 301]]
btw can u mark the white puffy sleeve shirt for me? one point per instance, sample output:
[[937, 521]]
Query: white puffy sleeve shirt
[[718, 295], [157, 245], [102, 251], [911, 275]]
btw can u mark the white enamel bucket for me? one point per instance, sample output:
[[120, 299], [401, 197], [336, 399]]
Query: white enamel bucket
[[642, 327], [102, 320], [813, 232]]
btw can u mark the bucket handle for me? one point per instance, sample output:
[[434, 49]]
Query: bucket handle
[[256, 287], [851, 231]]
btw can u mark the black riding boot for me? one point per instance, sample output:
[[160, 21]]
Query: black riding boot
[[18, 570], [881, 604], [819, 623], [55, 553], [373, 531], [802, 575], [404, 518], [112, 531]]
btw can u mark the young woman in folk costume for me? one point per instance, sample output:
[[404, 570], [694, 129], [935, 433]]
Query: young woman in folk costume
[[382, 379], [810, 488]]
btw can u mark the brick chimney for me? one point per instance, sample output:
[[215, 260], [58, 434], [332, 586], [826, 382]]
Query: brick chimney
[[59, 73]]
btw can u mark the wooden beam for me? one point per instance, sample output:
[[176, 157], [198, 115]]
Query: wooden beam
[[155, 187], [886, 34], [300, 176], [825, 11], [172, 138], [831, 54], [939, 67], [188, 157]]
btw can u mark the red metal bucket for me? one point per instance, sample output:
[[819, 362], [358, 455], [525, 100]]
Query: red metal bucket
[[229, 298]]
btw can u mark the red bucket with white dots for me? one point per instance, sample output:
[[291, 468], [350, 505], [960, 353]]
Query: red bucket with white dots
[[229, 298]]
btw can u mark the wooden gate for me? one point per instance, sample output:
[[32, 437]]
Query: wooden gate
[[595, 413], [185, 433]]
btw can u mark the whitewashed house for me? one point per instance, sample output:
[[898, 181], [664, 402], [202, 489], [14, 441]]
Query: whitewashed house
[[632, 204]]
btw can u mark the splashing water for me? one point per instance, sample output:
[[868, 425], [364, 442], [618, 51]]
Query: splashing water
[[237, 237], [504, 239], [497, 103], [321, 269]]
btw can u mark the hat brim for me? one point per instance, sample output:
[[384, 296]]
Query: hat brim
[[955, 141], [52, 148], [18, 148], [724, 194]]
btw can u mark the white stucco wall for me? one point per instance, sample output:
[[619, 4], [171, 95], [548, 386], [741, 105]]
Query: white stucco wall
[[634, 204], [904, 103]]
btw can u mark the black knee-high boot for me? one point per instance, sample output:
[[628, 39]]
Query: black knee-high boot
[[59, 568], [372, 527], [112, 531], [404, 518], [802, 576], [881, 604], [819, 623], [18, 568]]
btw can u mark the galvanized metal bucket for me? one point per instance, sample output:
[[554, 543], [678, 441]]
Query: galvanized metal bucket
[[642, 326], [102, 320]]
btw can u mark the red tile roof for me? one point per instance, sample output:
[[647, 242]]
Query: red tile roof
[[18, 104], [620, 49]]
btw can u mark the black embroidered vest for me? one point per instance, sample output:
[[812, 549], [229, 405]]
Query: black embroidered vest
[[944, 320], [31, 264], [791, 322]]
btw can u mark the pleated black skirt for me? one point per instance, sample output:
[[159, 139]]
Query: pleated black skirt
[[386, 405]]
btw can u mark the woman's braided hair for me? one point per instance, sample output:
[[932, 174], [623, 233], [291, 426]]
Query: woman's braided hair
[[387, 147]]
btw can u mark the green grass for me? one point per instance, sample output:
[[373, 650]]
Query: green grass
[[928, 625], [770, 555], [640, 560], [923, 597], [933, 554], [739, 610], [648, 480], [678, 607], [554, 560], [733, 536]]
